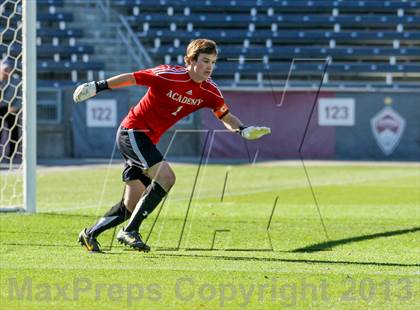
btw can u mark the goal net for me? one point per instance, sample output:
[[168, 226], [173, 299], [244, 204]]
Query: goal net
[[17, 105]]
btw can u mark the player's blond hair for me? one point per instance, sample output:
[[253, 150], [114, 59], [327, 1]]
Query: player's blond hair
[[198, 46]]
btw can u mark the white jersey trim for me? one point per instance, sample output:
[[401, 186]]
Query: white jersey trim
[[136, 148], [219, 94], [160, 71]]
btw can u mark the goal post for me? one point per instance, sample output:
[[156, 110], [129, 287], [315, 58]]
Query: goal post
[[29, 104], [18, 106]]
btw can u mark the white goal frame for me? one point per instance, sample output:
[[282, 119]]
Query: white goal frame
[[29, 81], [29, 104]]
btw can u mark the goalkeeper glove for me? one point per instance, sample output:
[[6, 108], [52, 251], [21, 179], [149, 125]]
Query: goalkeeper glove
[[253, 132], [88, 90]]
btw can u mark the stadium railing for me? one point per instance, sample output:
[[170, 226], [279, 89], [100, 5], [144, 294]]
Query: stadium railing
[[284, 37], [279, 6], [282, 21], [305, 51]]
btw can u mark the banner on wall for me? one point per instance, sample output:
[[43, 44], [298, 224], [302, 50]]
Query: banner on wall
[[388, 128], [95, 123]]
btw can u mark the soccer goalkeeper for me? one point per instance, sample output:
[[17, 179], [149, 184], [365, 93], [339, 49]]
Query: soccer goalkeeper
[[173, 93]]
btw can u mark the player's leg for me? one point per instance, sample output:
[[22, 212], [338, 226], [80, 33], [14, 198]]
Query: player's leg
[[139, 149], [134, 189], [121, 211], [113, 217], [163, 179], [118, 214], [135, 184]]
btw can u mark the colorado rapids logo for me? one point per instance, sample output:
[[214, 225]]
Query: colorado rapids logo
[[387, 127]]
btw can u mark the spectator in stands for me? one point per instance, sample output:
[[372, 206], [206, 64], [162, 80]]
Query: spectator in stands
[[10, 107], [174, 92]]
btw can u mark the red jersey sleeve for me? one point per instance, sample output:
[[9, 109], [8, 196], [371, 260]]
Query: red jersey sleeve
[[149, 77], [218, 104]]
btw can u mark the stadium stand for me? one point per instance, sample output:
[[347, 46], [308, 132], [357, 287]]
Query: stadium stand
[[369, 45], [367, 42], [61, 60], [377, 42]]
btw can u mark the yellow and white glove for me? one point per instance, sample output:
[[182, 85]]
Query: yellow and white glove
[[89, 90], [254, 132]]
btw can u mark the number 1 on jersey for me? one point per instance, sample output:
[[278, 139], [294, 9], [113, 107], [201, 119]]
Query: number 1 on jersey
[[179, 109]]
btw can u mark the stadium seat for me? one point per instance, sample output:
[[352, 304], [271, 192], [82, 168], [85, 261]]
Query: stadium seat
[[279, 6], [283, 37], [367, 38], [58, 51], [54, 17], [371, 38], [51, 2]]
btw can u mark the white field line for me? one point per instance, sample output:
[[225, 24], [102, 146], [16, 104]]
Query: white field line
[[218, 268], [278, 187], [282, 163], [286, 163], [339, 163]]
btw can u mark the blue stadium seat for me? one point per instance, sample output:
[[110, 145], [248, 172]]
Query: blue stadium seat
[[46, 33], [305, 51], [305, 68], [280, 6], [363, 38], [48, 51], [59, 54], [47, 66], [55, 83], [260, 36], [45, 50], [283, 21], [51, 2], [66, 33], [54, 17]]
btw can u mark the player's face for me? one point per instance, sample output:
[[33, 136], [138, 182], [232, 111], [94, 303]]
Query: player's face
[[202, 68]]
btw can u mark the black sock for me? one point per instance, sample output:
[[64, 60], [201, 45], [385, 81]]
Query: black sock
[[115, 216], [150, 200]]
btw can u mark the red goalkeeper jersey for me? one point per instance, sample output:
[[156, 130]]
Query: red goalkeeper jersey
[[171, 95]]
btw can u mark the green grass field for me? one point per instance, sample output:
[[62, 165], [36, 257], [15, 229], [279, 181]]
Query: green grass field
[[239, 253]]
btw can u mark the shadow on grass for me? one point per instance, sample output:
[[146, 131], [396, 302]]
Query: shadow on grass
[[153, 255], [69, 214], [283, 260], [333, 243]]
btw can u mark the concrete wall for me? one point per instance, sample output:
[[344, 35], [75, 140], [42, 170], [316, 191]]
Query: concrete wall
[[289, 120], [73, 138], [358, 142]]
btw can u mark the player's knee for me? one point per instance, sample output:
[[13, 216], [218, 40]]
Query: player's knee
[[163, 174], [130, 204], [169, 179], [172, 178], [133, 191]]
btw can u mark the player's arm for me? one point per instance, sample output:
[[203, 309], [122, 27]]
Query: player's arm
[[233, 123], [90, 89]]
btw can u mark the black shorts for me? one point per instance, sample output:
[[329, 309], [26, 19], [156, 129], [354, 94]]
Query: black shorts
[[139, 154]]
